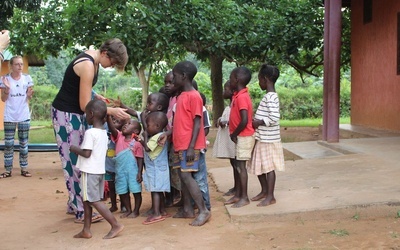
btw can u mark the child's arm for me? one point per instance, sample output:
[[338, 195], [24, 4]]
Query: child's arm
[[139, 177], [143, 141], [111, 127], [118, 103], [241, 126], [82, 152], [195, 133]]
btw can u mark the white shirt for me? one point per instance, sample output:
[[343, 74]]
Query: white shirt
[[95, 139], [17, 105]]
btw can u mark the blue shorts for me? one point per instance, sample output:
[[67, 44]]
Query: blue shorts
[[125, 173], [179, 161]]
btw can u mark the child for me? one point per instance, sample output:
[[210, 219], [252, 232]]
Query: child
[[110, 167], [268, 153], [241, 132], [175, 181], [91, 163], [188, 138], [129, 165], [156, 176], [223, 146]]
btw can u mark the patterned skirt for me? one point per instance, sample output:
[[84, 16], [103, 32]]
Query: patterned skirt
[[266, 157]]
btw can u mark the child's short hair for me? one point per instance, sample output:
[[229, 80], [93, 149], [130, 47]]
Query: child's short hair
[[243, 73], [163, 100], [98, 107], [203, 97], [159, 118], [269, 71], [186, 67]]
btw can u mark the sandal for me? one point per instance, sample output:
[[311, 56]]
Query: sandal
[[26, 173], [5, 175]]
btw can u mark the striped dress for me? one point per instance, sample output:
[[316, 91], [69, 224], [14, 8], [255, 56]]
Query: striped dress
[[268, 152]]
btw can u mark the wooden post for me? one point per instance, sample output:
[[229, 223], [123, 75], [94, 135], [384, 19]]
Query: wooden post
[[332, 44]]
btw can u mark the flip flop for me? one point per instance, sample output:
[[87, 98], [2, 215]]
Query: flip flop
[[153, 220], [95, 218], [166, 215]]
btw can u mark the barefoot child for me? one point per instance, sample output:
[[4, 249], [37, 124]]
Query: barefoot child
[[224, 147], [241, 131], [156, 176], [129, 165], [91, 163], [268, 153], [189, 139]]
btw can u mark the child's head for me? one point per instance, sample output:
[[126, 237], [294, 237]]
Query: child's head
[[117, 123], [156, 122], [239, 78], [130, 127], [203, 97], [96, 111], [157, 102], [184, 73], [227, 93], [268, 74], [169, 85]]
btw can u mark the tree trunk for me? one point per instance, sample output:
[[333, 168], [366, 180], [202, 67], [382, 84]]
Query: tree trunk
[[144, 83], [216, 86]]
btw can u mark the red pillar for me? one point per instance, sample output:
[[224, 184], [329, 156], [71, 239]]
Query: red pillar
[[332, 44]]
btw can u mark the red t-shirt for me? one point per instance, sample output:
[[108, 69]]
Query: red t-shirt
[[121, 144], [241, 100], [188, 105]]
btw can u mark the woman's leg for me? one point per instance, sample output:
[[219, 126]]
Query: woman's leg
[[23, 134], [9, 133], [69, 129]]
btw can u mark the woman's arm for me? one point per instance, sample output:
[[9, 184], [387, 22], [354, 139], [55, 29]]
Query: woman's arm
[[6, 90], [85, 70]]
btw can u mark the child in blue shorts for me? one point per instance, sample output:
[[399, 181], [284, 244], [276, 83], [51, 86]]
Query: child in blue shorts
[[156, 175], [129, 165]]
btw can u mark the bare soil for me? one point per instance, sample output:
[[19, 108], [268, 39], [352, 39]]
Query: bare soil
[[33, 216]]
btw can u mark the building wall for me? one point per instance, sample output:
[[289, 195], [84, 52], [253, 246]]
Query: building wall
[[375, 92], [5, 70]]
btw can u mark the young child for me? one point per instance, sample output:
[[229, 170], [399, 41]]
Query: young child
[[156, 176], [268, 152], [241, 132], [110, 167], [188, 138], [224, 147], [91, 163], [129, 165]]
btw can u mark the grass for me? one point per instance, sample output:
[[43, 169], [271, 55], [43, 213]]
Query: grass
[[339, 232], [42, 131], [309, 122]]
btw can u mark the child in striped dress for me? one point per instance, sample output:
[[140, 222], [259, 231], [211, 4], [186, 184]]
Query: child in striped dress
[[268, 152]]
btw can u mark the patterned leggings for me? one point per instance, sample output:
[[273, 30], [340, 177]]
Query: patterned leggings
[[69, 129], [9, 134]]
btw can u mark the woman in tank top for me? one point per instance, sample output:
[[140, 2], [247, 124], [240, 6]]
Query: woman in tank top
[[68, 109]]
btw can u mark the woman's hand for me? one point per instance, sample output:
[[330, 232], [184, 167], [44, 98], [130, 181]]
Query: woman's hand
[[118, 113], [6, 83], [29, 92], [4, 40]]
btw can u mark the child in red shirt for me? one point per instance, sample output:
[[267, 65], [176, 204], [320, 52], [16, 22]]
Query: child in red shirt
[[188, 138], [241, 132]]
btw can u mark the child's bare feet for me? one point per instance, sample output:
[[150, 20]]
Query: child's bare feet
[[125, 215], [114, 231], [230, 192], [184, 214], [133, 215], [83, 234], [241, 203], [266, 202], [232, 200], [201, 219], [259, 197]]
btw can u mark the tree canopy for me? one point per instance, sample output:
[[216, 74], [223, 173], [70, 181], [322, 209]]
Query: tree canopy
[[159, 33]]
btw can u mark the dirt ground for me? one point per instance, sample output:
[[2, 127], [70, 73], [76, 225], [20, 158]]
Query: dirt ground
[[33, 216]]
